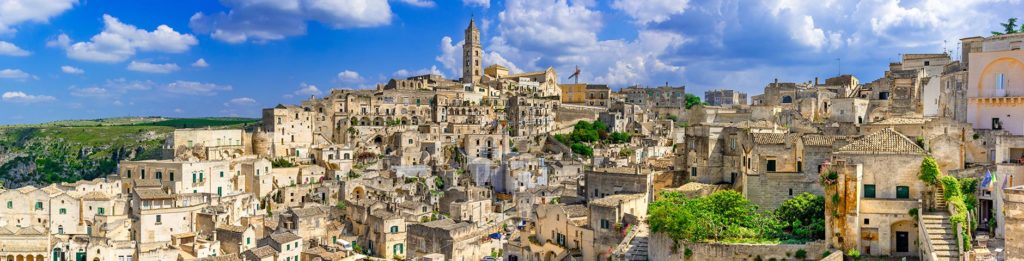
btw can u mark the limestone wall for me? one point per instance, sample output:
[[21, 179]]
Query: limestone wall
[[661, 248], [769, 190]]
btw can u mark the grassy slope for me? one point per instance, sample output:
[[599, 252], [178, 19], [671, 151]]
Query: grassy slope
[[55, 148]]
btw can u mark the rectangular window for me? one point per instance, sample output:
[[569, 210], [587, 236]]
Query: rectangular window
[[1000, 82], [103, 211], [39, 205], [771, 166], [129, 173], [604, 224], [693, 171], [63, 211], [902, 192], [221, 174], [158, 219], [159, 175], [220, 192], [200, 177], [10, 204], [171, 175], [248, 241], [869, 191], [193, 178]]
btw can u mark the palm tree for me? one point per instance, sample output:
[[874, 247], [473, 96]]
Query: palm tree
[[1009, 27]]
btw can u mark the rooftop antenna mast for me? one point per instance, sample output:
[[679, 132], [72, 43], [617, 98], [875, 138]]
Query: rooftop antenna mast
[[839, 67]]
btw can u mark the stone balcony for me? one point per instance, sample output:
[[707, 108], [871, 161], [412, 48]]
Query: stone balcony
[[888, 205]]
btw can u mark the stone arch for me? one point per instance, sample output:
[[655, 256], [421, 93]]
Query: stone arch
[[358, 193], [990, 66]]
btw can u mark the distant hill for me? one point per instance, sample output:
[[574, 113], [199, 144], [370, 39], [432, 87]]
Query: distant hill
[[70, 150]]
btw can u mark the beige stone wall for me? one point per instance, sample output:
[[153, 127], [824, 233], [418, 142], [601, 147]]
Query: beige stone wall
[[1014, 225], [769, 190], [661, 248]]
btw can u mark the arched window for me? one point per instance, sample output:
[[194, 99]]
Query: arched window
[[787, 99]]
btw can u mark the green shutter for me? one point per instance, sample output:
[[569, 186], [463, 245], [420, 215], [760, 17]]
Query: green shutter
[[869, 191], [902, 192]]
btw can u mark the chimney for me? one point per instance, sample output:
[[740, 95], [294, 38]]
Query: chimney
[[776, 81]]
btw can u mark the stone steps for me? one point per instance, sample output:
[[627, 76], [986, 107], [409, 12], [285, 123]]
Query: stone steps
[[941, 235]]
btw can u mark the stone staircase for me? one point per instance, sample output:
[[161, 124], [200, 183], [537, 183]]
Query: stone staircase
[[940, 201], [638, 251], [941, 234]]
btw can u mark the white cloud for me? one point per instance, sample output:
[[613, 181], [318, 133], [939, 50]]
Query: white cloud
[[61, 41], [451, 57], [480, 3], [89, 92], [124, 85], [71, 70], [419, 3], [305, 90], [14, 74], [10, 49], [349, 76], [261, 20], [14, 12], [570, 30], [243, 101], [403, 73], [195, 88], [152, 67], [120, 41], [655, 11], [808, 35], [201, 63], [21, 97]]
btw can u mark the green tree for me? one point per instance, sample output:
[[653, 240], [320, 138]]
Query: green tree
[[1009, 27], [692, 100], [582, 149], [803, 216], [929, 171]]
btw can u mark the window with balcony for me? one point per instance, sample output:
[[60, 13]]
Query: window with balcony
[[902, 192], [869, 191]]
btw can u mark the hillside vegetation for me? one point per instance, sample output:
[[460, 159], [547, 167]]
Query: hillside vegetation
[[67, 151]]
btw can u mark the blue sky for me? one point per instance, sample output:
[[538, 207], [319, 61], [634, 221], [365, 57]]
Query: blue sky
[[76, 59]]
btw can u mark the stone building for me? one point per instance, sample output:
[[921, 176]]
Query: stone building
[[878, 176], [995, 85], [723, 97], [531, 116]]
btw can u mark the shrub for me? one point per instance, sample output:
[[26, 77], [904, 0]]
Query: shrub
[[855, 254], [800, 254], [582, 149], [282, 163]]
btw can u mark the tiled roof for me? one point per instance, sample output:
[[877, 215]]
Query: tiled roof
[[576, 210], [26, 189], [232, 228], [152, 193], [901, 121], [95, 195], [263, 251], [140, 183], [615, 200], [284, 237], [821, 140], [885, 141], [307, 211], [769, 138]]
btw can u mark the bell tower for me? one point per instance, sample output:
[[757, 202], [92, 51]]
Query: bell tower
[[471, 51]]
